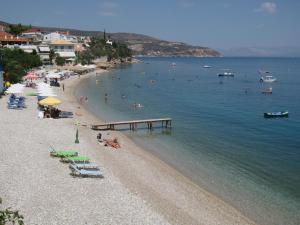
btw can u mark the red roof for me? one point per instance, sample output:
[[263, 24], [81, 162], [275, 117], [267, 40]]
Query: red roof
[[4, 36], [32, 30]]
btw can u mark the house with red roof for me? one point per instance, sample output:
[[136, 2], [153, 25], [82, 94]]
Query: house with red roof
[[9, 39], [35, 34]]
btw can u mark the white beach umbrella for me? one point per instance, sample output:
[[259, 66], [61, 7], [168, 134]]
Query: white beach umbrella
[[44, 90], [50, 91], [92, 66], [45, 94], [42, 84], [15, 89], [53, 75]]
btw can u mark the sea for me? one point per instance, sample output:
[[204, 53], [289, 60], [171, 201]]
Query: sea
[[219, 136]]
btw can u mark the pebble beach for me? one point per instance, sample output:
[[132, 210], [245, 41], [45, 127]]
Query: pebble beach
[[137, 188]]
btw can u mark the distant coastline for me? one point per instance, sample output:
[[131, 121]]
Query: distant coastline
[[142, 44]]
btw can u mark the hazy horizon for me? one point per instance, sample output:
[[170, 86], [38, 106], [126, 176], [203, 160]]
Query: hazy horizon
[[216, 24]]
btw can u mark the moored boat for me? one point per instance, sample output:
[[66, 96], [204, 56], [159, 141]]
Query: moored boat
[[267, 91], [226, 74], [276, 114], [207, 66], [268, 79]]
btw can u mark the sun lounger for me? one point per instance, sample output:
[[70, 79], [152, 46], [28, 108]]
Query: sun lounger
[[63, 154], [86, 173], [16, 105], [63, 114], [76, 159], [86, 166]]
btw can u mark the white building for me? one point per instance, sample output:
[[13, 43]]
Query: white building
[[29, 48], [109, 42], [59, 36], [53, 37], [44, 52], [64, 49], [33, 33]]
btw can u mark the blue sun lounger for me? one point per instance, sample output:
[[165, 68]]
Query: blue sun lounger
[[85, 173]]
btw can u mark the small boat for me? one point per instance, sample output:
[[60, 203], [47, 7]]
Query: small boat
[[207, 66], [173, 64], [268, 79], [226, 74], [276, 114], [267, 91], [137, 105]]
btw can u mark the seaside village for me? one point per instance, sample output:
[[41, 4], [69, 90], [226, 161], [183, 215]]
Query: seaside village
[[44, 82]]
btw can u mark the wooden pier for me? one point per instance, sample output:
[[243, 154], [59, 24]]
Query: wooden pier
[[133, 124]]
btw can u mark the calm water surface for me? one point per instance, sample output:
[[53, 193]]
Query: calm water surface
[[219, 138]]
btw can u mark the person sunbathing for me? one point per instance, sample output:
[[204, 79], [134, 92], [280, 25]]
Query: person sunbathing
[[112, 143]]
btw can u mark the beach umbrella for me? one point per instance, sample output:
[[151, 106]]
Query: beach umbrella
[[47, 94], [53, 75], [30, 76], [50, 101], [15, 89]]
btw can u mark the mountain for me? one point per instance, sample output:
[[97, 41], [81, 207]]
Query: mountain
[[142, 44], [263, 52]]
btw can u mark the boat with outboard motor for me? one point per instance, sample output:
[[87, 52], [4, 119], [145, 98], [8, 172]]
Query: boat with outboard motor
[[276, 114], [226, 74]]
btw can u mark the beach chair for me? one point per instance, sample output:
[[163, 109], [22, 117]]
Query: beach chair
[[86, 173], [64, 114], [86, 166], [16, 105], [75, 159], [63, 154]]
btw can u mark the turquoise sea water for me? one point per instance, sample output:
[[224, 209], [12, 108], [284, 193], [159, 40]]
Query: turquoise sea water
[[219, 138]]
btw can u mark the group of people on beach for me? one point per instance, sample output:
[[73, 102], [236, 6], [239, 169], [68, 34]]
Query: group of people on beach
[[114, 143]]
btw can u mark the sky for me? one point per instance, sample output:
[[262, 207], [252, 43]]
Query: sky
[[212, 23]]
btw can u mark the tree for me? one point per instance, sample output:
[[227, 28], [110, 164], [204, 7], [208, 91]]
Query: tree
[[98, 48], [60, 61], [51, 55], [16, 62], [34, 52], [104, 35], [17, 29], [8, 215], [14, 71], [85, 57]]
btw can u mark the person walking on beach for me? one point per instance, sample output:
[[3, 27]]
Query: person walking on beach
[[63, 87]]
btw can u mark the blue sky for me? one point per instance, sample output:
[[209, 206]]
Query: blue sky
[[217, 24]]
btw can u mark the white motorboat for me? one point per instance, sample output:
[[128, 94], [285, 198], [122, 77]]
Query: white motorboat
[[268, 79], [226, 74], [207, 66]]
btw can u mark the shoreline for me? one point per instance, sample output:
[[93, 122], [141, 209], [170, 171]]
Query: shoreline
[[137, 188], [169, 209]]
